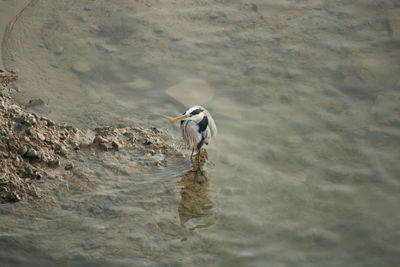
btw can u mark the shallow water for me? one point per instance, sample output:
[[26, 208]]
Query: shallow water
[[306, 98]]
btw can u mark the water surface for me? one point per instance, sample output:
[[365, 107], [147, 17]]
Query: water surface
[[304, 171]]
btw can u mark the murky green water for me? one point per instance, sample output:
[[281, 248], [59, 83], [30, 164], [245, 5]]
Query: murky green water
[[304, 171]]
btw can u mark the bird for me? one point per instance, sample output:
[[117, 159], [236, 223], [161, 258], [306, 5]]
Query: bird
[[197, 127]]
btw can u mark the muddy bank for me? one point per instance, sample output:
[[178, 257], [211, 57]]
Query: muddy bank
[[34, 148]]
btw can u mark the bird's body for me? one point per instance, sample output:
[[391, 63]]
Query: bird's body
[[197, 127]]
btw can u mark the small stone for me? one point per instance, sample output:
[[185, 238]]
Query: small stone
[[13, 197], [23, 150], [98, 140], [29, 130], [115, 145], [32, 153], [54, 163], [51, 176], [41, 136], [28, 169], [50, 123], [2, 175], [128, 134], [28, 119], [69, 166]]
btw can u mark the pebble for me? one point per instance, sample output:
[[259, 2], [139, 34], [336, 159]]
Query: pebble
[[69, 166], [98, 140], [23, 150], [54, 163], [128, 134], [115, 145], [28, 169], [41, 136], [29, 130], [32, 153]]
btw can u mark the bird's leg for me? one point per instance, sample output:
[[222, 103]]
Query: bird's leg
[[198, 157], [191, 156]]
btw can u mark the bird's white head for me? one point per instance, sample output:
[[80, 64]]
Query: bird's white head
[[195, 114]]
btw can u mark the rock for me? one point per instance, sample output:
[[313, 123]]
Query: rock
[[128, 134], [69, 166], [191, 92], [98, 140], [2, 175], [50, 122], [28, 119], [28, 169], [29, 130], [54, 163], [23, 150], [394, 22], [116, 145], [41, 136], [81, 66], [32, 153]]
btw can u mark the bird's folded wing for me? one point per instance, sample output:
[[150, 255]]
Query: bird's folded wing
[[191, 133]]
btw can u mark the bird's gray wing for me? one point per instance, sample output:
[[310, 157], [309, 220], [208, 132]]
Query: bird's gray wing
[[190, 133], [211, 123]]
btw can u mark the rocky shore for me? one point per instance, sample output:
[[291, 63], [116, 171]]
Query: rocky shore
[[34, 148]]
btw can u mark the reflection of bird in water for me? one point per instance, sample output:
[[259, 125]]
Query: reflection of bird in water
[[197, 127], [194, 199]]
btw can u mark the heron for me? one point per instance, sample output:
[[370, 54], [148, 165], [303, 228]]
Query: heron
[[197, 127]]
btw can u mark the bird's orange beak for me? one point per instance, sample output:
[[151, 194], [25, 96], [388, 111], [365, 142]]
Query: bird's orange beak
[[179, 118]]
